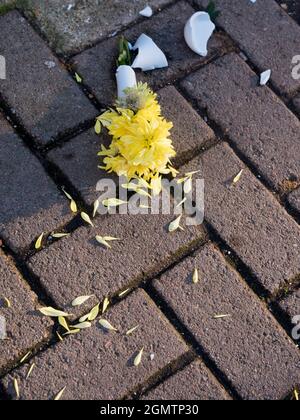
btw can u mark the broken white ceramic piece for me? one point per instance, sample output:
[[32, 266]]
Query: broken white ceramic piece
[[265, 77], [149, 57], [147, 12], [197, 32], [126, 78]]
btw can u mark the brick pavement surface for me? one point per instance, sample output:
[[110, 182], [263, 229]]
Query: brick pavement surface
[[230, 92], [248, 346], [212, 101], [104, 361], [190, 135], [166, 30], [73, 26], [30, 201], [196, 383], [37, 88], [25, 329], [249, 218], [267, 35], [78, 265]]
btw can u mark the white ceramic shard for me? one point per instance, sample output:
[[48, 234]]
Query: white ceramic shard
[[265, 77], [126, 78], [149, 57], [197, 32], [147, 12]]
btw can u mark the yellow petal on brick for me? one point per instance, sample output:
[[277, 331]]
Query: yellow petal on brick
[[238, 177], [30, 370], [107, 325], [94, 313], [96, 206], [59, 235], [98, 127], [71, 332], [81, 300], [105, 305], [16, 387], [78, 78], [113, 202], [73, 206], [296, 395], [191, 174], [82, 325], [132, 330], [84, 318], [221, 316], [60, 394], [59, 336], [102, 241], [196, 276], [62, 321], [25, 357], [86, 218], [49, 311], [7, 302], [67, 195], [175, 225], [138, 359], [39, 242], [125, 292], [188, 186]]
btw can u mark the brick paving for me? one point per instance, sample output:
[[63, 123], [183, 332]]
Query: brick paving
[[214, 340]]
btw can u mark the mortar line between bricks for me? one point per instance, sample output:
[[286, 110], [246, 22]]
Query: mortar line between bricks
[[191, 340], [219, 133], [162, 375]]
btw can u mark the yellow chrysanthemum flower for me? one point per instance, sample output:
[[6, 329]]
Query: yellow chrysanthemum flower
[[141, 146]]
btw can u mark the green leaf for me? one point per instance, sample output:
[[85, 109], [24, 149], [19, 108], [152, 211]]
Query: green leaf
[[124, 53], [212, 11]]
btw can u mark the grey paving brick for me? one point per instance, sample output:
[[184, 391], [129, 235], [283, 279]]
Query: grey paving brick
[[266, 33], [79, 161], [249, 347], [25, 330], [294, 199], [98, 65], [256, 121], [30, 201], [37, 88], [95, 365], [87, 21], [78, 265], [249, 218], [193, 383]]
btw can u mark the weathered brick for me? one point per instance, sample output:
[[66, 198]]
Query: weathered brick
[[98, 65], [78, 265], [190, 134], [38, 89], [294, 199], [25, 330], [257, 122], [266, 33], [193, 383], [291, 304], [249, 218], [249, 347], [87, 21], [30, 202], [95, 365]]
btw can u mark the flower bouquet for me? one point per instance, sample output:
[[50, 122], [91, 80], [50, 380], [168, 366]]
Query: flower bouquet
[[141, 147]]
